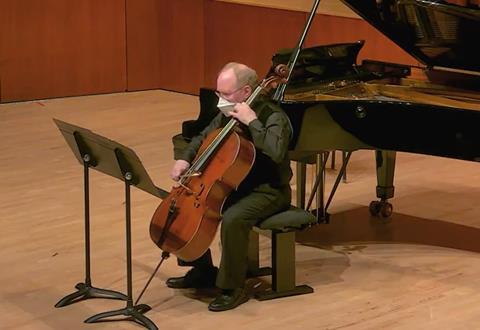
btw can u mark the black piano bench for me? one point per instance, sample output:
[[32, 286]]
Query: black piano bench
[[281, 227]]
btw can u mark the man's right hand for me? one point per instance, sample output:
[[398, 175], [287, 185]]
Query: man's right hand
[[180, 167]]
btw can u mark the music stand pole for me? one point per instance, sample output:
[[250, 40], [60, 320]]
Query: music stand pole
[[86, 290], [133, 312]]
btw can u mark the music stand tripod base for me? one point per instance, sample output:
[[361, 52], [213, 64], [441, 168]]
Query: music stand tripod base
[[86, 292], [133, 313]]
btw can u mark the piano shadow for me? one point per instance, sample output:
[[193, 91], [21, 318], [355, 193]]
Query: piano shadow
[[357, 225]]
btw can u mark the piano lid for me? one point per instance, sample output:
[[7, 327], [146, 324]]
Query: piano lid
[[436, 33]]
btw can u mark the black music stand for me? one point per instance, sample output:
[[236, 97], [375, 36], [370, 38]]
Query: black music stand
[[114, 159]]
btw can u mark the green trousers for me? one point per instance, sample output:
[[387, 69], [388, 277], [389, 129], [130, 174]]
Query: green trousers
[[241, 213]]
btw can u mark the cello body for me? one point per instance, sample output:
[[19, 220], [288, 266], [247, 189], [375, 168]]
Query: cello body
[[185, 223]]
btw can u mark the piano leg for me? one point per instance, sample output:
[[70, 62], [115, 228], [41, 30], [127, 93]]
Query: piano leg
[[301, 182], [320, 193], [385, 163]]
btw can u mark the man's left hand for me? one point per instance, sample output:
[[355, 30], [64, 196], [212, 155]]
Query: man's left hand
[[243, 113]]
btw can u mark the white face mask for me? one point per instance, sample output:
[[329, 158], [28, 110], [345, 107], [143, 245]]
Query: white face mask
[[225, 106]]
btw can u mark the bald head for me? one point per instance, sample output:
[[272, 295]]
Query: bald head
[[235, 82], [244, 74]]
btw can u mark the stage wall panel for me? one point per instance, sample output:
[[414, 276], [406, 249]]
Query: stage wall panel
[[165, 44], [54, 48]]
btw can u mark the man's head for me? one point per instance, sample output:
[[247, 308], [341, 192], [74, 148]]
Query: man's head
[[236, 82]]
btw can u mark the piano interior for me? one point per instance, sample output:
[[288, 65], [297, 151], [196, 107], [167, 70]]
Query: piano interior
[[441, 35], [405, 90]]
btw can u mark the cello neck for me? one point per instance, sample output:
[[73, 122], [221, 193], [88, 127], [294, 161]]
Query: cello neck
[[202, 160], [281, 71]]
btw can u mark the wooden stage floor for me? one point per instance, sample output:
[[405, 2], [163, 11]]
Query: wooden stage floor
[[419, 270]]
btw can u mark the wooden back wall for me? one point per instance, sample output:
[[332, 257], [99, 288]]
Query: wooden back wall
[[56, 48]]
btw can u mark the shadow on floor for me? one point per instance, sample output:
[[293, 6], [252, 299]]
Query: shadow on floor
[[357, 225]]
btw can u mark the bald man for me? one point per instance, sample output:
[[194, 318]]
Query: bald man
[[264, 192]]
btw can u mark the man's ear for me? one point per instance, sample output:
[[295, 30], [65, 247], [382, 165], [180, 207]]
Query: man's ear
[[248, 89]]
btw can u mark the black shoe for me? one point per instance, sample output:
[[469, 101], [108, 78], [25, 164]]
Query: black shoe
[[194, 278], [229, 299]]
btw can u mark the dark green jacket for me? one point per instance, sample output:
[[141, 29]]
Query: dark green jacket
[[270, 134]]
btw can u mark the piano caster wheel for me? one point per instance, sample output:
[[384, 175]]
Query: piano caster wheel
[[381, 209]]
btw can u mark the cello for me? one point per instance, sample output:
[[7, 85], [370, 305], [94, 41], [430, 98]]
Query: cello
[[186, 221]]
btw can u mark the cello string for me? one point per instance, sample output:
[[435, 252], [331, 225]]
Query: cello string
[[219, 138], [212, 147], [207, 153]]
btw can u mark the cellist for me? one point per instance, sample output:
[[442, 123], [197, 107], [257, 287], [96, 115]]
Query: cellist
[[264, 192]]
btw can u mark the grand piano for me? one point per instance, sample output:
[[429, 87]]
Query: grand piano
[[336, 104]]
